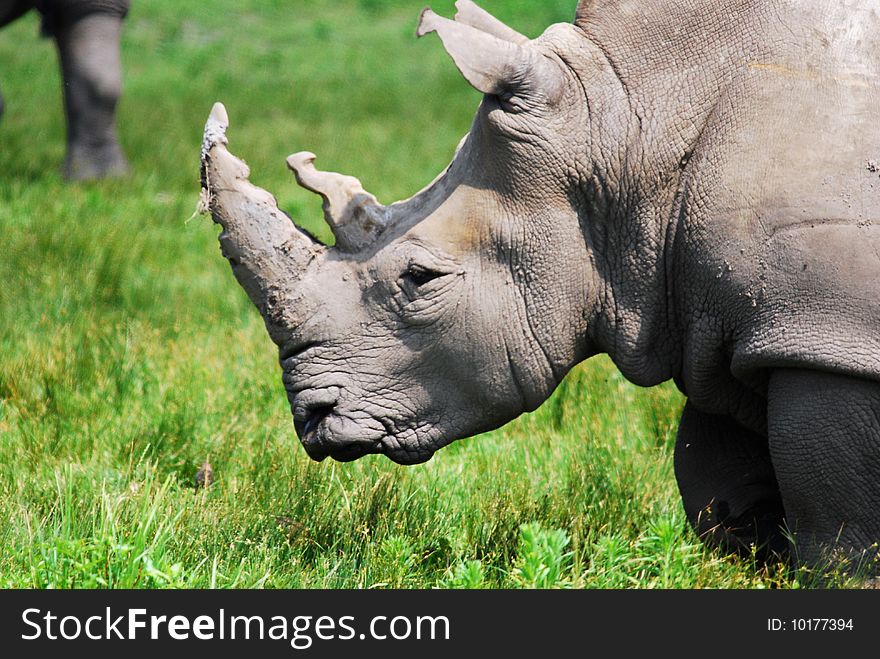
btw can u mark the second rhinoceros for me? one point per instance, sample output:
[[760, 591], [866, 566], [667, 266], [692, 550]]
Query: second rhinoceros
[[687, 186]]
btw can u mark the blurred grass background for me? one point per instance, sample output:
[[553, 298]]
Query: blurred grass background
[[130, 356]]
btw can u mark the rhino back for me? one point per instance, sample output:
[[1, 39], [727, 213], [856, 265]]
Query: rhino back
[[765, 119]]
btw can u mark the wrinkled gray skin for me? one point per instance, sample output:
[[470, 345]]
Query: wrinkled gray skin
[[87, 34], [684, 185]]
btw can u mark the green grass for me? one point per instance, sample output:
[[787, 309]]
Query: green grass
[[130, 356]]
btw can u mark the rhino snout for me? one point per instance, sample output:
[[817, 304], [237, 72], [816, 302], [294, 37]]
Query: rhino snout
[[315, 430], [325, 431]]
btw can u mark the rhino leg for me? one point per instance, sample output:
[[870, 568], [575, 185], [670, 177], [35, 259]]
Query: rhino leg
[[824, 433], [728, 485], [92, 69]]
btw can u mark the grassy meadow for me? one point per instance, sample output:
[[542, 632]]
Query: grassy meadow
[[129, 355]]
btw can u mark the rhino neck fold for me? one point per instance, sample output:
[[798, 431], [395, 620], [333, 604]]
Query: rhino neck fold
[[629, 223]]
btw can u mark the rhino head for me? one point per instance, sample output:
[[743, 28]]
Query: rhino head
[[454, 311]]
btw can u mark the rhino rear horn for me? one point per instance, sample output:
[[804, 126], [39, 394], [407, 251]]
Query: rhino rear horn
[[471, 14], [354, 215], [494, 65]]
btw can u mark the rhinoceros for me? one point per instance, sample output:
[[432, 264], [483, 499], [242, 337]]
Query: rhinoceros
[[689, 186]]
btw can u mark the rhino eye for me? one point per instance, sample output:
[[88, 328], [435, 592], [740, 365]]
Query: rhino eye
[[419, 276], [508, 102]]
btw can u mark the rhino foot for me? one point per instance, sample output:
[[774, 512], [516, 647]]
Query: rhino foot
[[91, 163]]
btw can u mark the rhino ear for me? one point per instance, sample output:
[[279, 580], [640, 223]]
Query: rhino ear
[[493, 65], [354, 215], [471, 14]]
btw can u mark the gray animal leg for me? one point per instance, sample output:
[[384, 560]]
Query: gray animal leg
[[727, 485], [92, 70], [824, 433]]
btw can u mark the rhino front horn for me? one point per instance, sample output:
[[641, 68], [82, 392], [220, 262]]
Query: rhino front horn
[[354, 215], [493, 58], [268, 254]]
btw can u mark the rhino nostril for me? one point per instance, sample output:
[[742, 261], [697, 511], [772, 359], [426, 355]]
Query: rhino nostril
[[313, 417], [294, 349]]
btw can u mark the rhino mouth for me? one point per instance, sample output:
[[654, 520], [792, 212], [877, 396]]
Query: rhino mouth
[[323, 434], [333, 424], [408, 459], [327, 429]]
